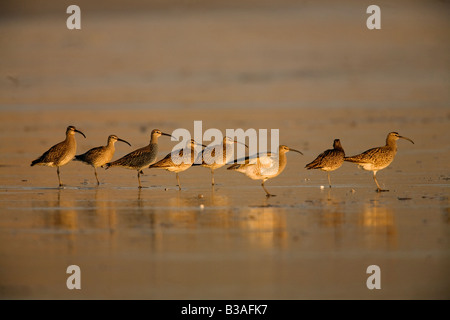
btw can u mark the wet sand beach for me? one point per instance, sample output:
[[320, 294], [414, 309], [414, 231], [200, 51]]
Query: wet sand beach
[[312, 70]]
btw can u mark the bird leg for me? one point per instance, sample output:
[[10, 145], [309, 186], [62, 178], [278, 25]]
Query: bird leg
[[267, 192], [59, 178], [178, 181], [139, 178], [329, 181], [375, 179], [96, 177], [212, 177]]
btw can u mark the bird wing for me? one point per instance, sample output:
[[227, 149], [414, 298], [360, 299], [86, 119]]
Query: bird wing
[[324, 159], [251, 159], [267, 160], [268, 164], [260, 160], [91, 154], [51, 155], [167, 161], [134, 158], [365, 157]]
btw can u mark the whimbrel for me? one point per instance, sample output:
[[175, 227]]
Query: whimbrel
[[379, 158], [329, 160], [210, 159], [61, 153], [140, 158], [265, 166], [99, 156], [178, 161]]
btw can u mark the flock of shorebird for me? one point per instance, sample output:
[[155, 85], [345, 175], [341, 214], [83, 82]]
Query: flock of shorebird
[[257, 167]]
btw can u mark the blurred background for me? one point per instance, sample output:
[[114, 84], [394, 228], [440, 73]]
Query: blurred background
[[218, 54]]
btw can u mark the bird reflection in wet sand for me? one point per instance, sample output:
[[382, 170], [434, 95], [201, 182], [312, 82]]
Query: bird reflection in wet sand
[[62, 216], [218, 199], [380, 221], [267, 224]]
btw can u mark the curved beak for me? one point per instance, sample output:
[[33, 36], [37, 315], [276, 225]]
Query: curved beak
[[290, 149], [235, 141], [197, 144], [80, 133], [406, 139], [118, 139], [169, 135], [166, 134]]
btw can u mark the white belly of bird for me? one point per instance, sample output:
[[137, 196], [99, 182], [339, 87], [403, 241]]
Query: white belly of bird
[[268, 168], [179, 168], [372, 167]]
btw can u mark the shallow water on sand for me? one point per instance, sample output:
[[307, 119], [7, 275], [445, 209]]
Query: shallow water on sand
[[230, 241]]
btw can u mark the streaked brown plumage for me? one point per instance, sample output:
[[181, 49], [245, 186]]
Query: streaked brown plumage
[[140, 158], [329, 160], [61, 153], [99, 156], [184, 161], [376, 159]]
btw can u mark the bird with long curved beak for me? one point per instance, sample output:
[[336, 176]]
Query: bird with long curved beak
[[179, 160], [99, 156], [140, 158], [216, 156], [263, 166], [61, 153], [376, 159]]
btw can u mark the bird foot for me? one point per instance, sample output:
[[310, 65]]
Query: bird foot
[[270, 195], [382, 190]]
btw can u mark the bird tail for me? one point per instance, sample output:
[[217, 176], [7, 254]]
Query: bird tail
[[312, 165], [235, 166], [351, 159], [159, 165], [34, 162], [107, 165], [77, 158]]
